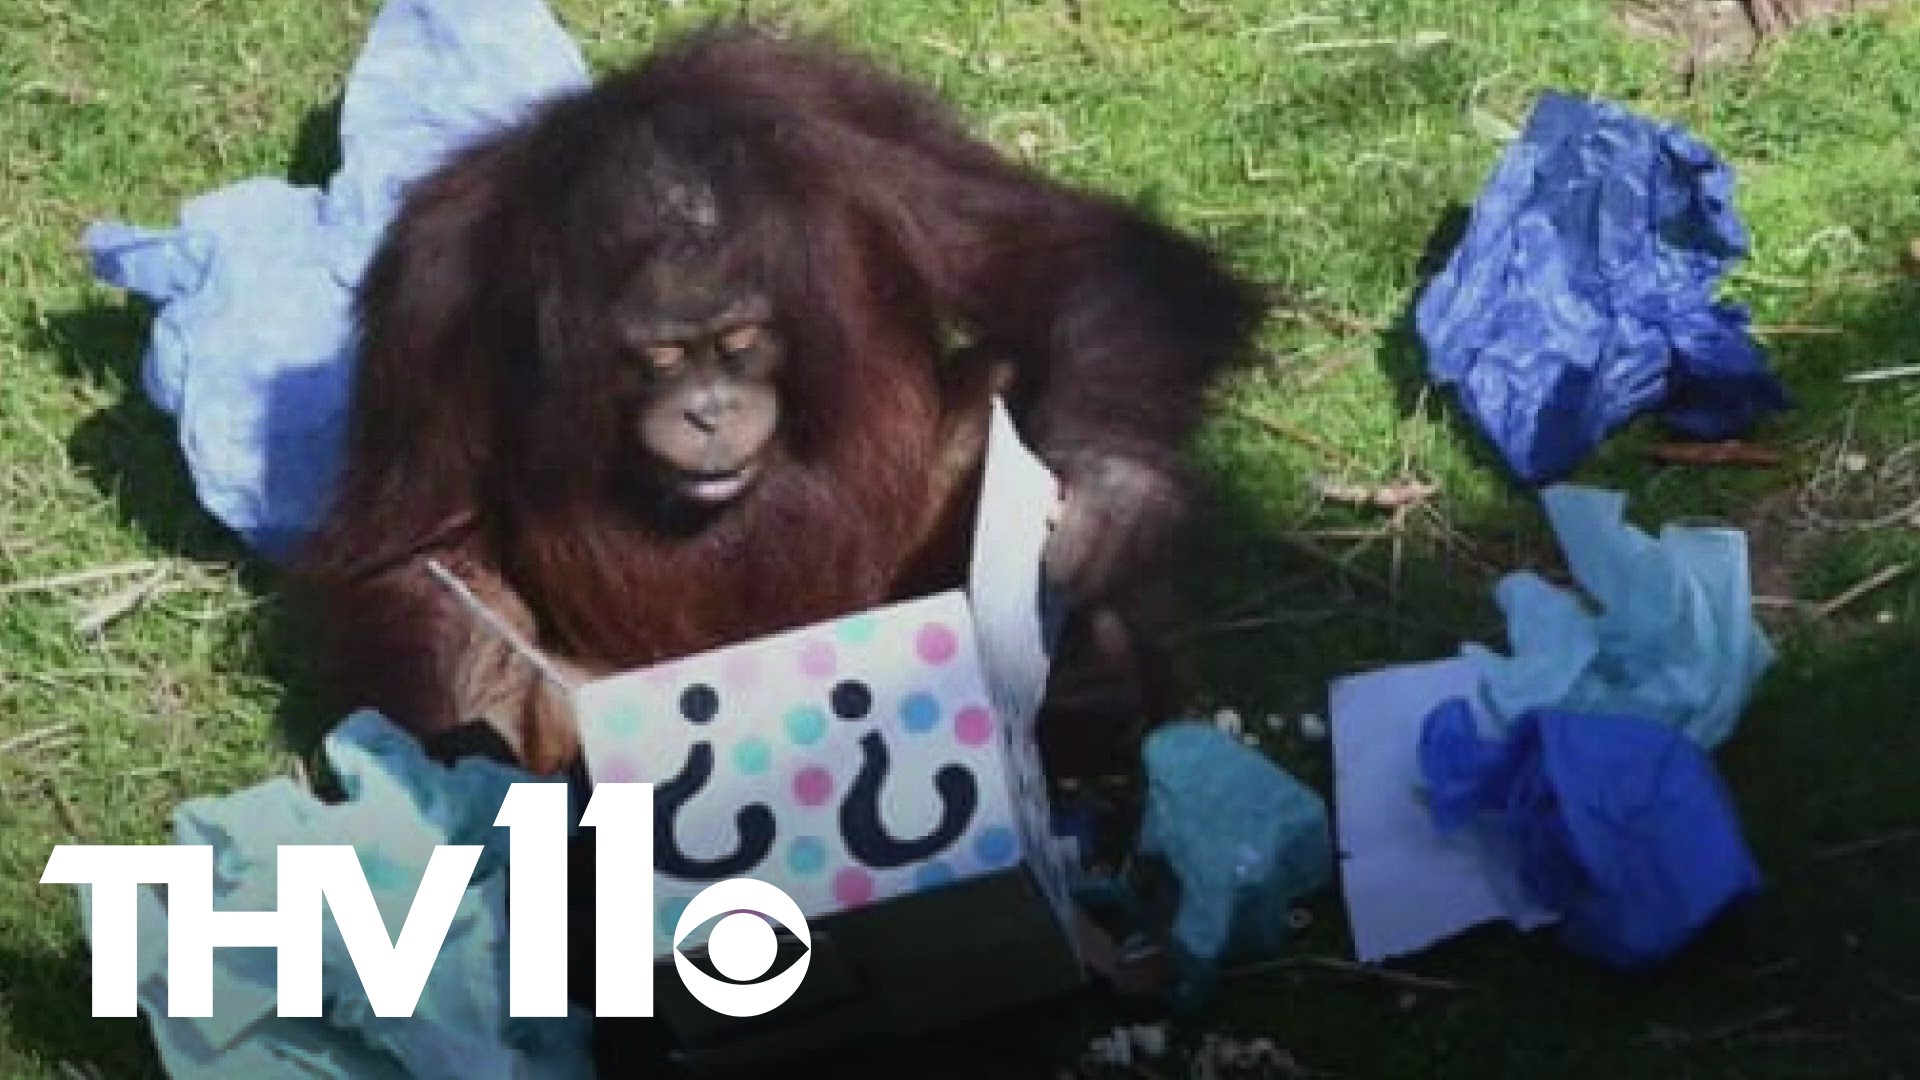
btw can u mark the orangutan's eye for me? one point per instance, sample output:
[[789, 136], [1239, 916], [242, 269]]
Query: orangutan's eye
[[665, 357], [740, 339]]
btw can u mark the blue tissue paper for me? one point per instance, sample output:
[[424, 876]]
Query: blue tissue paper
[[1619, 824], [1674, 638], [250, 349], [1582, 294], [399, 805], [1244, 841]]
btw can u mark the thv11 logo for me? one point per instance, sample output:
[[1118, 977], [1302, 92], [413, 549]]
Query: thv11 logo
[[393, 971]]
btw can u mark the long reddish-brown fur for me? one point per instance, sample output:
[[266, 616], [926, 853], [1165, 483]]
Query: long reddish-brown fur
[[484, 434]]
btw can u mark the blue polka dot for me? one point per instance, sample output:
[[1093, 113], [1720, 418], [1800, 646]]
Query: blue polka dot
[[859, 629], [752, 756], [920, 712], [623, 720], [996, 846], [806, 855], [932, 874], [670, 912], [805, 724]]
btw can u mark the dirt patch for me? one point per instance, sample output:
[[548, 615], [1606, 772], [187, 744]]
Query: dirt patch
[[1778, 545], [1712, 32], [1852, 493]]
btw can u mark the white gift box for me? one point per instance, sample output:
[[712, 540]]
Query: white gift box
[[882, 770]]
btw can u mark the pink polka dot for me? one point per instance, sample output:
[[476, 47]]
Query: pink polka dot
[[973, 725], [816, 660], [740, 671], [937, 643], [617, 771], [852, 887], [812, 785]]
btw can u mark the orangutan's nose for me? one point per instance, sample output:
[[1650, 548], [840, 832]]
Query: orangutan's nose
[[709, 410]]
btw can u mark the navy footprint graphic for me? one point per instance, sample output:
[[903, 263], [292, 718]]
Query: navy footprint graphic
[[864, 833]]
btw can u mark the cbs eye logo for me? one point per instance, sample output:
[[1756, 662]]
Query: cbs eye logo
[[742, 947]]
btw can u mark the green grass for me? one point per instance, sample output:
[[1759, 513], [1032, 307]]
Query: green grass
[[1325, 172]]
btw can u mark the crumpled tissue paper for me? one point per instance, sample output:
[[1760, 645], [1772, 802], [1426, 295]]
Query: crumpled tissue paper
[[1620, 825], [1243, 839], [400, 805], [250, 350], [1675, 639], [1583, 292]]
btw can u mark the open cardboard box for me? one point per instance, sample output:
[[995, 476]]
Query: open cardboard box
[[882, 770]]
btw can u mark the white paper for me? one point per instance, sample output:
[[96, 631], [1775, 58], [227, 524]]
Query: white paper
[[1005, 589], [1408, 887], [1013, 619]]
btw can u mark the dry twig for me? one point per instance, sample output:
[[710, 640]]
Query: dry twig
[[1898, 472], [116, 606], [1424, 39], [1331, 318], [79, 577], [1329, 365], [1797, 330], [1254, 622], [1860, 589], [28, 739], [1866, 844], [1882, 374], [1670, 1036], [1293, 434], [63, 810], [1314, 551], [1399, 495], [1349, 967], [1730, 452]]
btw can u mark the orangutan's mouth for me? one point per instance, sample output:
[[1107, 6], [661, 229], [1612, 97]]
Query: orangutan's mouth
[[718, 486]]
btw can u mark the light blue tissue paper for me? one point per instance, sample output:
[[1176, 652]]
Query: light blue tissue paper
[[1244, 839], [250, 349], [1673, 638], [400, 805]]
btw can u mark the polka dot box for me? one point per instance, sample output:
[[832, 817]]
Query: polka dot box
[[848, 763]]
